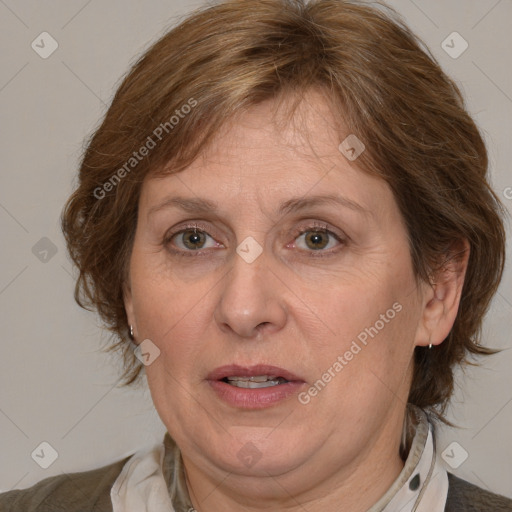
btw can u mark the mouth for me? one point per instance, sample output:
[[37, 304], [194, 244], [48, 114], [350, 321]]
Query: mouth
[[254, 387], [253, 377]]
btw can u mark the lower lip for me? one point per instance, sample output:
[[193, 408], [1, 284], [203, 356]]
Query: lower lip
[[255, 398]]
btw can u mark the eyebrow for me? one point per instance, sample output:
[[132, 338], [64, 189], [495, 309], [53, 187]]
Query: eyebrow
[[293, 205]]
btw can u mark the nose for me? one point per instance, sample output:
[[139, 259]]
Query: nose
[[251, 299]]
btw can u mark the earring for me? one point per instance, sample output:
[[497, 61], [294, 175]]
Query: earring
[[430, 346], [131, 332]]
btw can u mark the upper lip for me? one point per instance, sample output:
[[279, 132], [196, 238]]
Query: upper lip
[[234, 370]]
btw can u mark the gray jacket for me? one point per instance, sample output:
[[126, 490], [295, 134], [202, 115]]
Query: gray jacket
[[89, 491]]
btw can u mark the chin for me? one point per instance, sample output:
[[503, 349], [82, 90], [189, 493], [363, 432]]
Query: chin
[[263, 453]]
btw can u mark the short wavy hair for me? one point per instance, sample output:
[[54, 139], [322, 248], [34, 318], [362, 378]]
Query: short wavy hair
[[382, 82]]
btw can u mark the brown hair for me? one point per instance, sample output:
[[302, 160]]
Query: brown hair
[[382, 82]]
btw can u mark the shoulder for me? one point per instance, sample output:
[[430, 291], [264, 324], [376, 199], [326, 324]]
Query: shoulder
[[72, 492], [466, 497]]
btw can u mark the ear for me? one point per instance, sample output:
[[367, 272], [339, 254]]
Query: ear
[[441, 298]]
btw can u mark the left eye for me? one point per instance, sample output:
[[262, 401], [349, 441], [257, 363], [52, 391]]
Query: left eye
[[318, 238]]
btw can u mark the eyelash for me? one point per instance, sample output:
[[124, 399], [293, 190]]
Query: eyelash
[[321, 228]]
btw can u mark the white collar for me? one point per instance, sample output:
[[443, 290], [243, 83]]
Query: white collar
[[421, 486], [141, 487]]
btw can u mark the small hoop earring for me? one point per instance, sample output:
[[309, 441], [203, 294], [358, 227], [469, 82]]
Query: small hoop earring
[[131, 332], [430, 346]]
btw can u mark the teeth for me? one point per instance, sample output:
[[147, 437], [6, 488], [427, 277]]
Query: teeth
[[254, 385], [257, 381], [255, 378]]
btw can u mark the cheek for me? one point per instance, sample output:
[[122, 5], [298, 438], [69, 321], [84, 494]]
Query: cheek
[[173, 317], [361, 306], [157, 301], [365, 371], [371, 322], [378, 353]]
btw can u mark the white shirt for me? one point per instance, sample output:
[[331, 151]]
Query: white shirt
[[421, 486]]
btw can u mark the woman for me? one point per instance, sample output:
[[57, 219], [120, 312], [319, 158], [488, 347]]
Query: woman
[[285, 216]]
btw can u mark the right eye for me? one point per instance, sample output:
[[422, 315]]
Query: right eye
[[189, 240]]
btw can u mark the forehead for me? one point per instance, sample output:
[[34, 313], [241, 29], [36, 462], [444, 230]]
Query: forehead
[[263, 155], [278, 129]]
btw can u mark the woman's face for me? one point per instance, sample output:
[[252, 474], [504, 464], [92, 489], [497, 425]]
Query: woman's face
[[337, 312]]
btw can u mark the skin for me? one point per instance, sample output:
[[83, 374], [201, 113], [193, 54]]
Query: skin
[[287, 308]]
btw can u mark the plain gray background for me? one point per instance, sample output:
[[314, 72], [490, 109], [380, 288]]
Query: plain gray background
[[56, 386]]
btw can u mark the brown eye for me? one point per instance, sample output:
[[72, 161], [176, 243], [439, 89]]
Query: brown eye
[[193, 239], [316, 239], [189, 240]]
